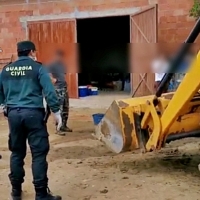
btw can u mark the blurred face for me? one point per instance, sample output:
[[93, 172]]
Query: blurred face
[[58, 57], [162, 56]]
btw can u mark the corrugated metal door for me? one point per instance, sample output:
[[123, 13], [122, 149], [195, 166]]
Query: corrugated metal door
[[51, 35], [143, 39]]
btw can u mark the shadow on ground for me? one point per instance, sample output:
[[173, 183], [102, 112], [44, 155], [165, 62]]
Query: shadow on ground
[[172, 165], [79, 152]]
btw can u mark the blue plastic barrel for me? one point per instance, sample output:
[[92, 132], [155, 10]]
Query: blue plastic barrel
[[83, 91], [94, 91], [97, 118], [89, 91]]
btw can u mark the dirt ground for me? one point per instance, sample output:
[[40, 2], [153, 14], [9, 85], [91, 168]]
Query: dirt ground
[[81, 168]]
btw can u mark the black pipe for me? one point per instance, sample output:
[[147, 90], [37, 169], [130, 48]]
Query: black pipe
[[179, 136], [177, 60]]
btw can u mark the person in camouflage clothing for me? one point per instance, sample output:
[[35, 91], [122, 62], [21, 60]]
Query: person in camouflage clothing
[[63, 97], [57, 72]]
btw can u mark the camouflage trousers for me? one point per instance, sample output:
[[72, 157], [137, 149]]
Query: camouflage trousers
[[63, 98]]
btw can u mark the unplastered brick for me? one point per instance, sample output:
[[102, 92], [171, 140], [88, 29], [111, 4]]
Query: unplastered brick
[[173, 16]]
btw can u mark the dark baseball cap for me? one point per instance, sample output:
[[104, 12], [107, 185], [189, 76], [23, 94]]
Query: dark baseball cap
[[25, 46]]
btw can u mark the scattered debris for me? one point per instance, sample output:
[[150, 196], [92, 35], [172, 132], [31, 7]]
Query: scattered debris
[[104, 191]]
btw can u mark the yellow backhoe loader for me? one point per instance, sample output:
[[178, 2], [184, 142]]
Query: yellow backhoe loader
[[149, 122]]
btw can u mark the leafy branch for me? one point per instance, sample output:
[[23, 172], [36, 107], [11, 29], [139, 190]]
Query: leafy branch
[[195, 10]]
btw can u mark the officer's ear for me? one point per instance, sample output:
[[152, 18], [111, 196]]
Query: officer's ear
[[33, 53]]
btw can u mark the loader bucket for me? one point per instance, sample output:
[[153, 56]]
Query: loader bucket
[[117, 130]]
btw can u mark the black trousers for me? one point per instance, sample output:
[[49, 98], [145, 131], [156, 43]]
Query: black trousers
[[28, 124]]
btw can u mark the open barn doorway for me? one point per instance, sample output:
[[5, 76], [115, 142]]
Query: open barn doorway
[[104, 53]]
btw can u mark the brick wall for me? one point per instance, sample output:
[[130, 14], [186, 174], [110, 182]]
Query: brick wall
[[174, 23]]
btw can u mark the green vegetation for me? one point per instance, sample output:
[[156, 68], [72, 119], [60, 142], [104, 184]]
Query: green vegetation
[[195, 10]]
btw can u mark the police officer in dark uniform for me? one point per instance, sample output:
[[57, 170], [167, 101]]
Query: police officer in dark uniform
[[22, 86]]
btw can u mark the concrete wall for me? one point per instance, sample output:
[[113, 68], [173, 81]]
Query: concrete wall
[[174, 23]]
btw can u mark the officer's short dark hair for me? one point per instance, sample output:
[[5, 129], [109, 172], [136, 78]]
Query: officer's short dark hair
[[23, 53], [60, 53], [25, 47]]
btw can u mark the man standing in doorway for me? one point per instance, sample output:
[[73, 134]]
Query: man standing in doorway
[[57, 71]]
